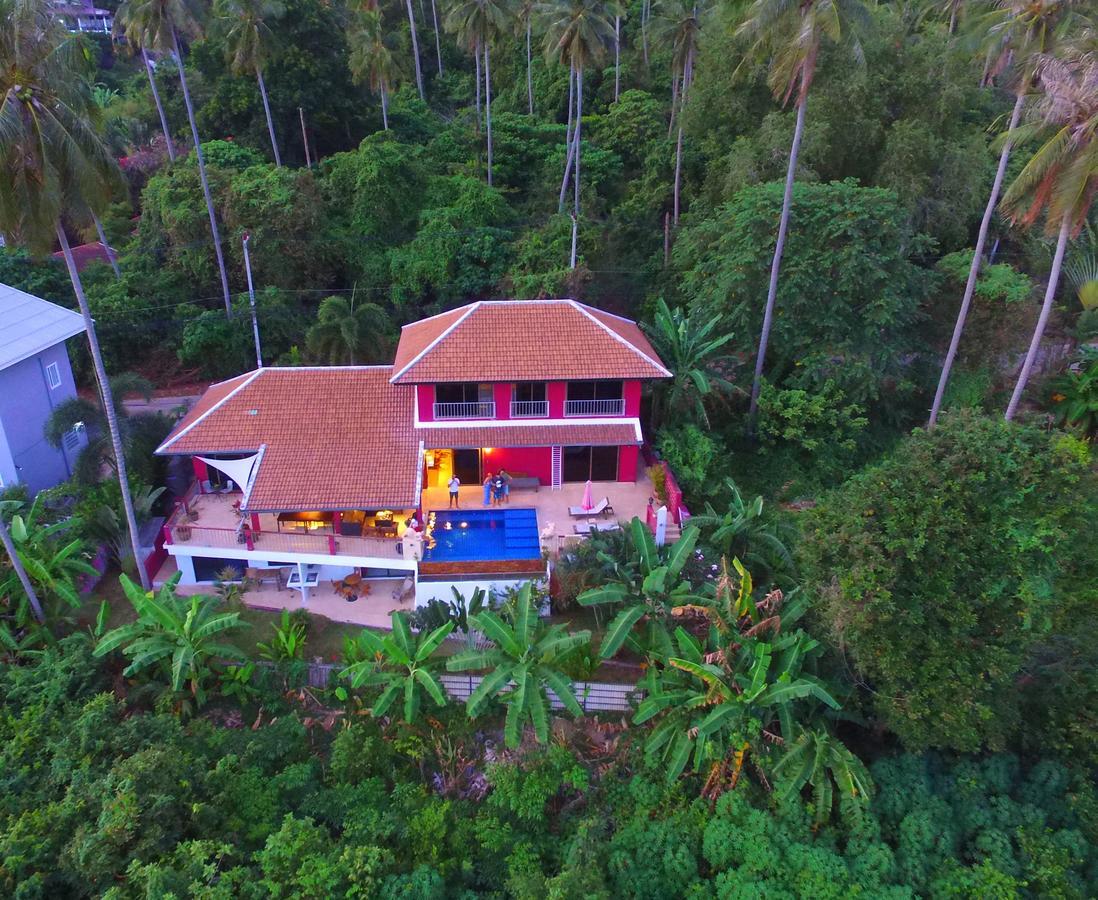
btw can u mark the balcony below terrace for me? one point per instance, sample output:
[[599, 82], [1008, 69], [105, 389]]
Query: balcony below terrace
[[212, 521]]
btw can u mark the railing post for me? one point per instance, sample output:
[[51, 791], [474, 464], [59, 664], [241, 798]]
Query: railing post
[[167, 534], [331, 545], [249, 541]]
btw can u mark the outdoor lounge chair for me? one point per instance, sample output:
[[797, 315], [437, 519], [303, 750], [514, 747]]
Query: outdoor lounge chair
[[601, 508], [586, 528]]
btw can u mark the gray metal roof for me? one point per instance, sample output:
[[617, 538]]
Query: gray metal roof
[[29, 325]]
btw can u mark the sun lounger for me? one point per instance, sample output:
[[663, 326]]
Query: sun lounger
[[586, 528], [601, 508]]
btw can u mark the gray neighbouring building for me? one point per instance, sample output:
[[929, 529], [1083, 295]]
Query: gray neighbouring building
[[35, 377]]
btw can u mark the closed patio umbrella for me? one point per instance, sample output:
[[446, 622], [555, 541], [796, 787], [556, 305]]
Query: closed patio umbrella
[[588, 500]]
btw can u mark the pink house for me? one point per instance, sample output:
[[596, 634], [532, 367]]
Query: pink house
[[321, 473], [546, 389]]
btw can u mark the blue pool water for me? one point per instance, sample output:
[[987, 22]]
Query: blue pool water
[[475, 534]]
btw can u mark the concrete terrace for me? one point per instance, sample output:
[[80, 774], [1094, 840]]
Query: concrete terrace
[[628, 499], [216, 521], [370, 612]]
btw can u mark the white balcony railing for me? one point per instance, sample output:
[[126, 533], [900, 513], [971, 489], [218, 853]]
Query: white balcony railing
[[529, 409], [594, 407], [484, 409]]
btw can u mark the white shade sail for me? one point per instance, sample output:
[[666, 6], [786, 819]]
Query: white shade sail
[[239, 470]]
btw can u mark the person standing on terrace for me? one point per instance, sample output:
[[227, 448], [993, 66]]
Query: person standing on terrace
[[488, 490], [455, 486]]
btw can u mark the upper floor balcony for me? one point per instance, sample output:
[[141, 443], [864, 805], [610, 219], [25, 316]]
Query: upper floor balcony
[[529, 409], [595, 407], [476, 409]]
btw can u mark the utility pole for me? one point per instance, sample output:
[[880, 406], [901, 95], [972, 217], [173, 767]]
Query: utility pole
[[251, 301]]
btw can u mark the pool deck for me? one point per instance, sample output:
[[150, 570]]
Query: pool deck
[[629, 499]]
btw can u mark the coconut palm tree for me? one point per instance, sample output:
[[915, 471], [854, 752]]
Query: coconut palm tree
[[789, 37], [349, 333], [476, 23], [576, 32], [54, 163], [247, 37], [679, 26], [372, 59], [1016, 33], [1061, 179], [415, 50], [156, 25], [151, 72], [524, 665], [619, 11], [690, 348], [524, 20]]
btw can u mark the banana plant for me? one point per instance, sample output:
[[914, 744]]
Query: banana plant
[[743, 530], [650, 586], [52, 563], [817, 758], [178, 635], [401, 665], [522, 668], [711, 705]]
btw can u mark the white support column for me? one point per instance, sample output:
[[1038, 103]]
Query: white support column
[[304, 587], [661, 526]]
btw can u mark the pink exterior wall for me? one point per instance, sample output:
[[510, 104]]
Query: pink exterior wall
[[425, 400], [501, 393], [632, 392], [200, 470], [557, 393], [521, 460], [627, 463]]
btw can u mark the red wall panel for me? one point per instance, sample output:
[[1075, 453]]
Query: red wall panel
[[425, 397], [536, 461], [627, 463]]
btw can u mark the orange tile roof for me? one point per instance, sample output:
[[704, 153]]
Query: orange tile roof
[[617, 434], [524, 340], [334, 438]]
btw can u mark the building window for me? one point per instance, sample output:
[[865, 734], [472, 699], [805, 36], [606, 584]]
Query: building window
[[595, 398], [463, 392], [594, 463], [528, 399], [53, 376]]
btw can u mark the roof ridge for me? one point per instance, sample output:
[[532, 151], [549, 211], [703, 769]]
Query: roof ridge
[[216, 406], [437, 340], [583, 310], [439, 315]]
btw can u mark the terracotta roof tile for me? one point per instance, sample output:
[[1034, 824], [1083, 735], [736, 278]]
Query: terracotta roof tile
[[417, 336], [520, 340], [617, 434], [335, 438]]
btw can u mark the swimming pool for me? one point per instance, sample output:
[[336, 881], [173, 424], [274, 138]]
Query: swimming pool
[[482, 534]]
